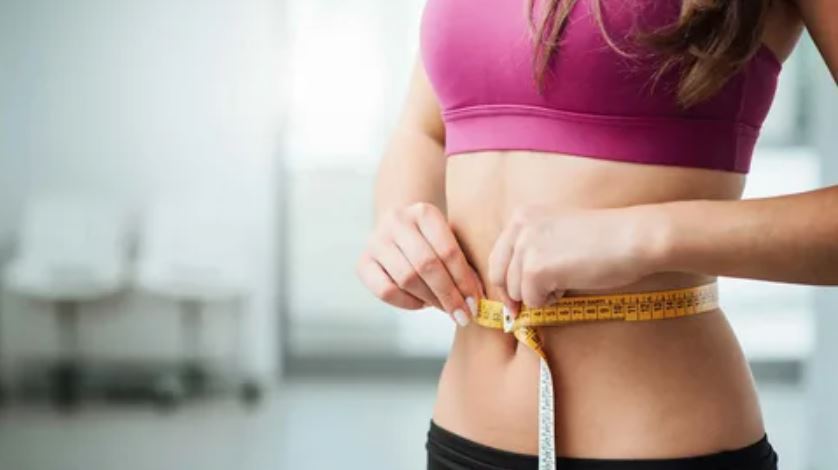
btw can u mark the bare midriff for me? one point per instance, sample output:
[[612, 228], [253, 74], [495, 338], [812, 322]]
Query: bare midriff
[[658, 389]]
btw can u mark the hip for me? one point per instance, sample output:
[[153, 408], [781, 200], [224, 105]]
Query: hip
[[449, 451]]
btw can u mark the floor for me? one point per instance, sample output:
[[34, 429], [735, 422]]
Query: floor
[[364, 425]]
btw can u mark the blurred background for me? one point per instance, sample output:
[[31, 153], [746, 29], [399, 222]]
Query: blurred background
[[184, 188]]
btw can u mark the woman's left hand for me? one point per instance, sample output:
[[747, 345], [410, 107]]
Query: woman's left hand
[[540, 253]]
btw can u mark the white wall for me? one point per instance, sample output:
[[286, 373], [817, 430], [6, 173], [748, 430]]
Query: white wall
[[133, 99], [372, 45]]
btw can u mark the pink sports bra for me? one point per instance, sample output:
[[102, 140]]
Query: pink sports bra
[[478, 55]]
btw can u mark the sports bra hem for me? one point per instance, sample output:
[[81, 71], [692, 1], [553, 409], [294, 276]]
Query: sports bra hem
[[676, 141], [608, 119]]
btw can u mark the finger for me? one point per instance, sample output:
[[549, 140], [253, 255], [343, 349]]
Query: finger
[[436, 231], [482, 287], [374, 277], [554, 297], [514, 275], [430, 267], [534, 293], [394, 263], [534, 288], [500, 257]]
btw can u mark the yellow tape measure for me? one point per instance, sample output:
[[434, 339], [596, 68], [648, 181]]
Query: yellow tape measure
[[627, 307], [643, 306]]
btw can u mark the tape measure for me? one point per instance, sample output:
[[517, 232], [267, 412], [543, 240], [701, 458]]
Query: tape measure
[[643, 306]]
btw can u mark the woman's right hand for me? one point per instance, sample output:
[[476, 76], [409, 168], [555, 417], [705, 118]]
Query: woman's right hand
[[413, 260]]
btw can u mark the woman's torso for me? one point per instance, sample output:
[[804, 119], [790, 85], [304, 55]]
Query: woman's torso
[[641, 390]]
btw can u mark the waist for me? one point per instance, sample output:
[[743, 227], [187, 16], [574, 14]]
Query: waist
[[637, 383], [484, 189]]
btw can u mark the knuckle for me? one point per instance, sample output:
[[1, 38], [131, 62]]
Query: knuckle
[[390, 219], [427, 265], [517, 219], [377, 252], [399, 218], [407, 279], [382, 234], [522, 214], [450, 253], [448, 298], [423, 209], [374, 242]]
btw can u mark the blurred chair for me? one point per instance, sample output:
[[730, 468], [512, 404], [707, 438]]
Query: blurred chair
[[70, 250], [193, 251]]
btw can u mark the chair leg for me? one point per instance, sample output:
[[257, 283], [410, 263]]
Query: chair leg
[[249, 390], [66, 376], [193, 373]]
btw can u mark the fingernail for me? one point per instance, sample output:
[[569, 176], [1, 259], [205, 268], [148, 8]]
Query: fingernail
[[461, 317], [507, 320], [472, 305]]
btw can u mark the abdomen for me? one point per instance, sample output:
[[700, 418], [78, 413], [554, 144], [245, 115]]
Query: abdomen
[[623, 390]]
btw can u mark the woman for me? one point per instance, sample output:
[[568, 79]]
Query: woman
[[567, 148]]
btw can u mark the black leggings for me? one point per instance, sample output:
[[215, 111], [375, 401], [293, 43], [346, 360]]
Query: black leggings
[[448, 451]]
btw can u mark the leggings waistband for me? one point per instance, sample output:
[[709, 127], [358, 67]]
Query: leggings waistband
[[449, 451]]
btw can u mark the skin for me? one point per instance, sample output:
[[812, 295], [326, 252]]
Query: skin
[[516, 235]]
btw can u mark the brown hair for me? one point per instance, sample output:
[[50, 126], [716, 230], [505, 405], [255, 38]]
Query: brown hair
[[710, 41]]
